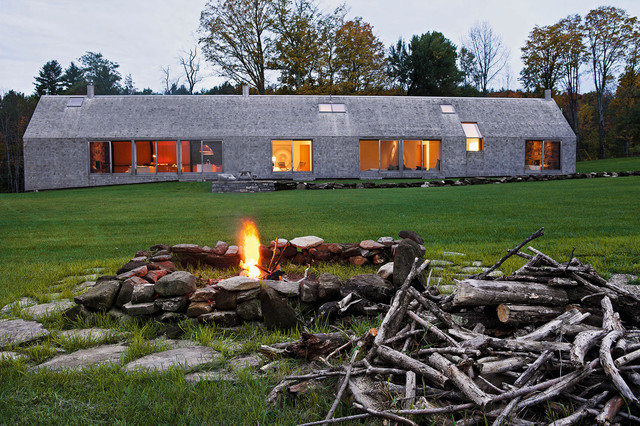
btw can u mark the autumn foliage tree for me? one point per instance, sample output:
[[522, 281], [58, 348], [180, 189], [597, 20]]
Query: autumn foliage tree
[[541, 58]]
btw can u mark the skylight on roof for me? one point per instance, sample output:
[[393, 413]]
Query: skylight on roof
[[75, 102], [471, 130], [331, 108], [447, 109]]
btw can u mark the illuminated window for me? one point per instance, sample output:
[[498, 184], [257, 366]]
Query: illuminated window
[[291, 155], [542, 155], [378, 155], [156, 157], [421, 155], [447, 109], [474, 137], [99, 157], [121, 156]]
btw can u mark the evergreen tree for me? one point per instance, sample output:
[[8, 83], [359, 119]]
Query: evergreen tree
[[49, 80], [73, 79]]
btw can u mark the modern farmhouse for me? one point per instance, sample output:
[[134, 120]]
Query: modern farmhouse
[[76, 141]]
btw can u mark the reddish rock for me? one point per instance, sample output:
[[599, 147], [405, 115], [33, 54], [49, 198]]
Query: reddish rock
[[206, 294], [298, 259], [160, 258], [196, 309], [139, 259], [351, 251], [207, 249], [160, 247], [166, 264], [281, 243], [130, 266], [357, 260], [289, 252], [186, 248], [265, 253], [155, 275], [322, 255], [142, 253], [220, 248], [137, 272], [221, 262], [232, 251], [378, 259], [370, 245], [334, 248], [412, 235]]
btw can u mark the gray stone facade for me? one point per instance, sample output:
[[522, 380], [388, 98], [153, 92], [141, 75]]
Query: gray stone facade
[[56, 143]]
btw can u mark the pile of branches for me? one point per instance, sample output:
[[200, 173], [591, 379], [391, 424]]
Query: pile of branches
[[565, 346]]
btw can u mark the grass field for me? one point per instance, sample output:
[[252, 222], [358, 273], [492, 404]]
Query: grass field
[[48, 235], [609, 165]]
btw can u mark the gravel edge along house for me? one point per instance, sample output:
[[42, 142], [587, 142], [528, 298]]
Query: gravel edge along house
[[81, 141]]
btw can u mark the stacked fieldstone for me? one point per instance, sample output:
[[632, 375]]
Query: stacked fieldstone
[[149, 285]]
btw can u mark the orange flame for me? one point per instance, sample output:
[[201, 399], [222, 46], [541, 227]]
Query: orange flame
[[251, 253]]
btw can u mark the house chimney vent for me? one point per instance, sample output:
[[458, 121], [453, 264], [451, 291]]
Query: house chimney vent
[[547, 94], [245, 90], [90, 90]]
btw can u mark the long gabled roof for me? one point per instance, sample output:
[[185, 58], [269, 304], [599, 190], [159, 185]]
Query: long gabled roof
[[296, 116]]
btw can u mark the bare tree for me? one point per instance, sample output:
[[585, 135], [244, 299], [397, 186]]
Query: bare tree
[[609, 32], [191, 66], [489, 53], [166, 79]]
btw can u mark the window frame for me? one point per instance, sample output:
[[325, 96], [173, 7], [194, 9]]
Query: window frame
[[422, 143], [201, 142], [530, 168], [473, 134], [292, 156]]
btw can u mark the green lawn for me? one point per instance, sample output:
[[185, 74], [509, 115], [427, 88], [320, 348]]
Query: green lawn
[[609, 165], [48, 235]]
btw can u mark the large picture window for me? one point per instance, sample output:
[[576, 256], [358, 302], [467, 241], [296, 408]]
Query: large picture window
[[292, 155], [99, 157], [156, 157], [379, 155], [474, 137], [542, 155], [421, 155], [201, 156], [121, 156]]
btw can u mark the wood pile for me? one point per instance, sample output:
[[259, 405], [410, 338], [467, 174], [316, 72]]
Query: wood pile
[[552, 342]]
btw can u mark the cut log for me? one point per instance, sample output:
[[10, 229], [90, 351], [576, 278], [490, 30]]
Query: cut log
[[570, 317], [528, 314], [610, 369], [406, 362], [462, 381], [582, 343], [314, 345], [479, 293]]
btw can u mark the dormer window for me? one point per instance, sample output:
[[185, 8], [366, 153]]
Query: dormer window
[[474, 137], [331, 108]]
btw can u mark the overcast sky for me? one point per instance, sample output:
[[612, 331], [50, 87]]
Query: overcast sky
[[145, 35]]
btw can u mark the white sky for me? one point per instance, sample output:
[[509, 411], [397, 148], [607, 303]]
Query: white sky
[[145, 35]]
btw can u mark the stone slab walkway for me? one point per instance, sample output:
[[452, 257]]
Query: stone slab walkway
[[18, 331], [189, 357], [86, 358]]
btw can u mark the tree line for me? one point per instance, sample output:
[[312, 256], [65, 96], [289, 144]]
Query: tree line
[[308, 51]]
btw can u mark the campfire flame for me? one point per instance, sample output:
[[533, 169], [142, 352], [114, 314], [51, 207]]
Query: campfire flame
[[251, 253]]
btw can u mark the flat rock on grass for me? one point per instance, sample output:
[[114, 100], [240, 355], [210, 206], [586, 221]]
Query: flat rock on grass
[[40, 311], [24, 302], [243, 362], [86, 358], [211, 376], [15, 332], [86, 334], [189, 357], [12, 356]]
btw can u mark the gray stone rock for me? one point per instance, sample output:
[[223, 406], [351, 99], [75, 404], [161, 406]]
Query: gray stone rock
[[176, 284], [243, 296], [306, 242], [250, 310], [186, 248], [440, 263], [386, 241], [283, 287], [412, 235], [220, 248], [406, 253], [78, 311], [172, 304], [473, 270], [206, 294], [370, 287], [139, 309], [101, 296], [84, 286], [87, 334], [453, 254], [222, 318], [172, 317], [308, 291], [371, 245], [196, 309], [38, 312], [211, 376], [116, 313], [277, 313], [385, 271], [328, 287], [243, 362], [12, 356], [239, 284], [143, 293], [17, 305], [85, 358], [18, 331], [126, 290], [226, 300]]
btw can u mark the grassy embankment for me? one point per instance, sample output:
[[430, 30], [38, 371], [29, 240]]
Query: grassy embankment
[[49, 235]]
